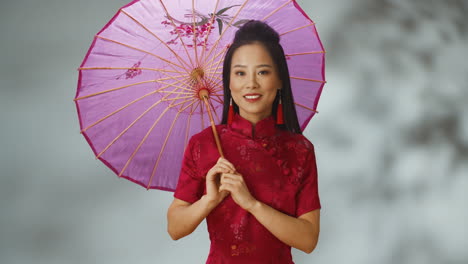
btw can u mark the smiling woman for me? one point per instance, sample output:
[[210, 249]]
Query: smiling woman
[[254, 82], [262, 198]]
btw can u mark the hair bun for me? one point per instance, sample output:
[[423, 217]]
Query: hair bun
[[256, 30]]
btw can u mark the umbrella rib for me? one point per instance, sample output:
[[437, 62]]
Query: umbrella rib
[[144, 51], [178, 86], [195, 32], [128, 127], [127, 68], [120, 109], [308, 25], [209, 29], [201, 116], [178, 33], [160, 40], [142, 142], [306, 79], [305, 53], [276, 10], [164, 146], [213, 76], [225, 29], [175, 92], [308, 108], [208, 65], [172, 77], [187, 128], [162, 150], [114, 89], [144, 139], [177, 98], [136, 100]]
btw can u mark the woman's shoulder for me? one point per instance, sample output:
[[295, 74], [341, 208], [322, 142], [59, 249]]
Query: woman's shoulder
[[206, 135], [299, 141]]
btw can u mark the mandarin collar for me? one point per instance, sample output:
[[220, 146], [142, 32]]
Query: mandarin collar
[[264, 128]]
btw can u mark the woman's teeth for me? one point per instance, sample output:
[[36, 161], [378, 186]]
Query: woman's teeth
[[252, 96]]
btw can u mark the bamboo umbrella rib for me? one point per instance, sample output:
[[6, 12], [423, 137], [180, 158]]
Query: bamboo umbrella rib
[[178, 33], [308, 108], [276, 10], [146, 136], [178, 86], [141, 142], [201, 116], [216, 98], [305, 53], [113, 89], [136, 100], [177, 98], [209, 63], [212, 75], [173, 77], [187, 129], [308, 25], [183, 81], [175, 92], [225, 29], [144, 51], [120, 109], [306, 79], [214, 72], [162, 150], [195, 33], [209, 30], [187, 106], [181, 61], [128, 68], [128, 127]]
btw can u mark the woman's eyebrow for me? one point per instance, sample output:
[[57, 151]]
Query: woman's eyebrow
[[258, 66]]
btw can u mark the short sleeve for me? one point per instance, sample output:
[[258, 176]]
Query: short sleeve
[[190, 186], [307, 198]]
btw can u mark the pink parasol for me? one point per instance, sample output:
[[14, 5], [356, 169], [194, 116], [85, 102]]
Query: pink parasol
[[138, 96]]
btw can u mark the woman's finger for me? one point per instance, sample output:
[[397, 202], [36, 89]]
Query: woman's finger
[[225, 162]]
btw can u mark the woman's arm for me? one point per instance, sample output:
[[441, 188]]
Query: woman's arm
[[301, 233], [184, 217]]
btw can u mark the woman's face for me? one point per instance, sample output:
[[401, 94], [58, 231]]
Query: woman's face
[[254, 81]]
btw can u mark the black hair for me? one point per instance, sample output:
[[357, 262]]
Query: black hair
[[256, 31]]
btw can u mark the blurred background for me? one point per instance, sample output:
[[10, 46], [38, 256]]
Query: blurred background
[[391, 141]]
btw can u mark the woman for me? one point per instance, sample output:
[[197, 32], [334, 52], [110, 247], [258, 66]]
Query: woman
[[262, 198]]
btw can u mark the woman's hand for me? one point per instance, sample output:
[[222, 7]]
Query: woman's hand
[[235, 184], [213, 192]]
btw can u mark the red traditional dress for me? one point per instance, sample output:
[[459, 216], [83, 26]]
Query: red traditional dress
[[279, 169]]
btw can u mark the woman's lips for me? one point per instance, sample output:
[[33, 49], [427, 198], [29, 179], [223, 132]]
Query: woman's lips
[[252, 97]]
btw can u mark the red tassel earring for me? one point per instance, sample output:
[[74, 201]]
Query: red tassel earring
[[279, 112], [230, 113]]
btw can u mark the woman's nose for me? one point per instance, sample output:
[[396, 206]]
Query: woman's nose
[[252, 82]]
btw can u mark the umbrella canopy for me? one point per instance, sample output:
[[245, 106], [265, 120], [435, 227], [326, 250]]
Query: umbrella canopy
[[138, 97]]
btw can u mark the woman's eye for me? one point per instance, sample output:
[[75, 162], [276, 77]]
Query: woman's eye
[[239, 73], [263, 72]]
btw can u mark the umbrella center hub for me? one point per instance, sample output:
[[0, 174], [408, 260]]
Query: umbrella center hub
[[197, 74]]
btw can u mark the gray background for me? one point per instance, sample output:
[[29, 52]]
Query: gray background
[[391, 141]]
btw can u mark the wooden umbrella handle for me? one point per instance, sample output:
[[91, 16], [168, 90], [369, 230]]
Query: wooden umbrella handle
[[213, 126]]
